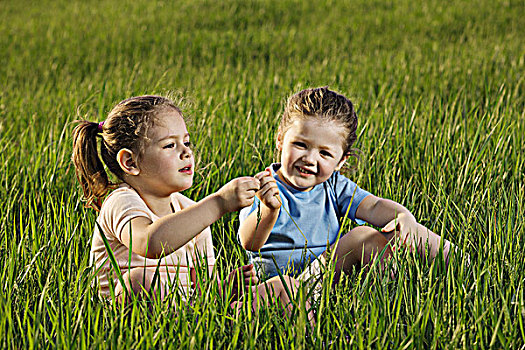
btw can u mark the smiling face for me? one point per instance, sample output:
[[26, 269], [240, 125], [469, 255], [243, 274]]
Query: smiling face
[[310, 152], [166, 164]]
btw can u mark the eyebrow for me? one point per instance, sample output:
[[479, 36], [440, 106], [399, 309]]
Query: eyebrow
[[301, 138], [174, 137]]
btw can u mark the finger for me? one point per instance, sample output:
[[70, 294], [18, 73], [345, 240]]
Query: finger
[[254, 183], [249, 184], [248, 180], [253, 280], [391, 226], [274, 196], [406, 240], [246, 199], [239, 271], [269, 191], [248, 267], [412, 229], [249, 274], [261, 175], [249, 194], [267, 180]]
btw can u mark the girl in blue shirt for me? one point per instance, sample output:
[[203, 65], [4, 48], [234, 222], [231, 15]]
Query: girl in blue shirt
[[305, 198]]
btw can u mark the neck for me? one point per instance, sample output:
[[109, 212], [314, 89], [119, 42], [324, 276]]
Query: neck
[[160, 205]]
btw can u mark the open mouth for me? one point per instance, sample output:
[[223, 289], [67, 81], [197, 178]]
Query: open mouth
[[304, 171], [186, 169]]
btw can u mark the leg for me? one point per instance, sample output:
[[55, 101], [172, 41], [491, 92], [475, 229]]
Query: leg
[[425, 238], [424, 241], [138, 282], [274, 289], [357, 248], [428, 244]]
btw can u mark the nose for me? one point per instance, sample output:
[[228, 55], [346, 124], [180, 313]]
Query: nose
[[308, 158], [186, 152]]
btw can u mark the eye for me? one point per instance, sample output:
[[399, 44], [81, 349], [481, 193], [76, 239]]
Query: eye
[[326, 154], [299, 144], [169, 145], [187, 144]]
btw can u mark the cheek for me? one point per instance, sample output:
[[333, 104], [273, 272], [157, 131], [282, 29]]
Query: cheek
[[328, 167], [284, 154], [153, 167], [289, 157]]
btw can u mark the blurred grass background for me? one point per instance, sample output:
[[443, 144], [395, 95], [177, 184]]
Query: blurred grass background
[[439, 90]]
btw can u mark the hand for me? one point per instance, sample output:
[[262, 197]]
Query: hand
[[238, 193], [268, 192], [403, 226], [242, 276]]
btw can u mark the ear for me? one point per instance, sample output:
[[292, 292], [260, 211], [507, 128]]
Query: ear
[[279, 140], [342, 162], [125, 159]]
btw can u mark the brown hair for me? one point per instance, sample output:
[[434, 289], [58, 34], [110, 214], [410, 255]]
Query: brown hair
[[126, 126], [325, 105]]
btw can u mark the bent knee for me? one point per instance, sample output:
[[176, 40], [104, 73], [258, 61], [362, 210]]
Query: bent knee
[[369, 238], [136, 283], [278, 284]]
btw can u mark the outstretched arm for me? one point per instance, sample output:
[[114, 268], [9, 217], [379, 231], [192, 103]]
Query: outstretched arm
[[169, 233], [395, 218], [254, 231]]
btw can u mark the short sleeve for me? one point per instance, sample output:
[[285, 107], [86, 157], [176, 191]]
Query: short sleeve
[[245, 212], [122, 206], [348, 196]]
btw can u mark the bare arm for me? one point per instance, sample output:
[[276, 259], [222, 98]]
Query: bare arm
[[169, 233], [253, 235], [393, 217], [380, 211], [250, 238]]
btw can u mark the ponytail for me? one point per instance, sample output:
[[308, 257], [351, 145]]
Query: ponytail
[[88, 166], [126, 126]]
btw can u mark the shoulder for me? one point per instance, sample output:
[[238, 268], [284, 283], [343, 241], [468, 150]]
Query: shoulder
[[122, 194], [122, 200], [120, 206], [344, 187], [338, 182], [183, 201]]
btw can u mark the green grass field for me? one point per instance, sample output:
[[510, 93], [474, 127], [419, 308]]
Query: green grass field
[[439, 88]]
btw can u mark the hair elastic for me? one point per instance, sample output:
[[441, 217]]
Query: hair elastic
[[100, 126]]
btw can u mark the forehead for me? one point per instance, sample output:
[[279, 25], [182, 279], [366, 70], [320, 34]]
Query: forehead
[[168, 122], [325, 133]]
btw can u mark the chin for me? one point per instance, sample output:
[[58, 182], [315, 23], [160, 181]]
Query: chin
[[184, 187], [302, 185]]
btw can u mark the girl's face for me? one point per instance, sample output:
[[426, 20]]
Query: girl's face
[[167, 163], [310, 152]]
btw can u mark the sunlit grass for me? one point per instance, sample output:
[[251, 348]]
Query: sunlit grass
[[440, 95]]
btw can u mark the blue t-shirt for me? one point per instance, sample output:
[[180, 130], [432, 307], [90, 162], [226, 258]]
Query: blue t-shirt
[[318, 215]]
